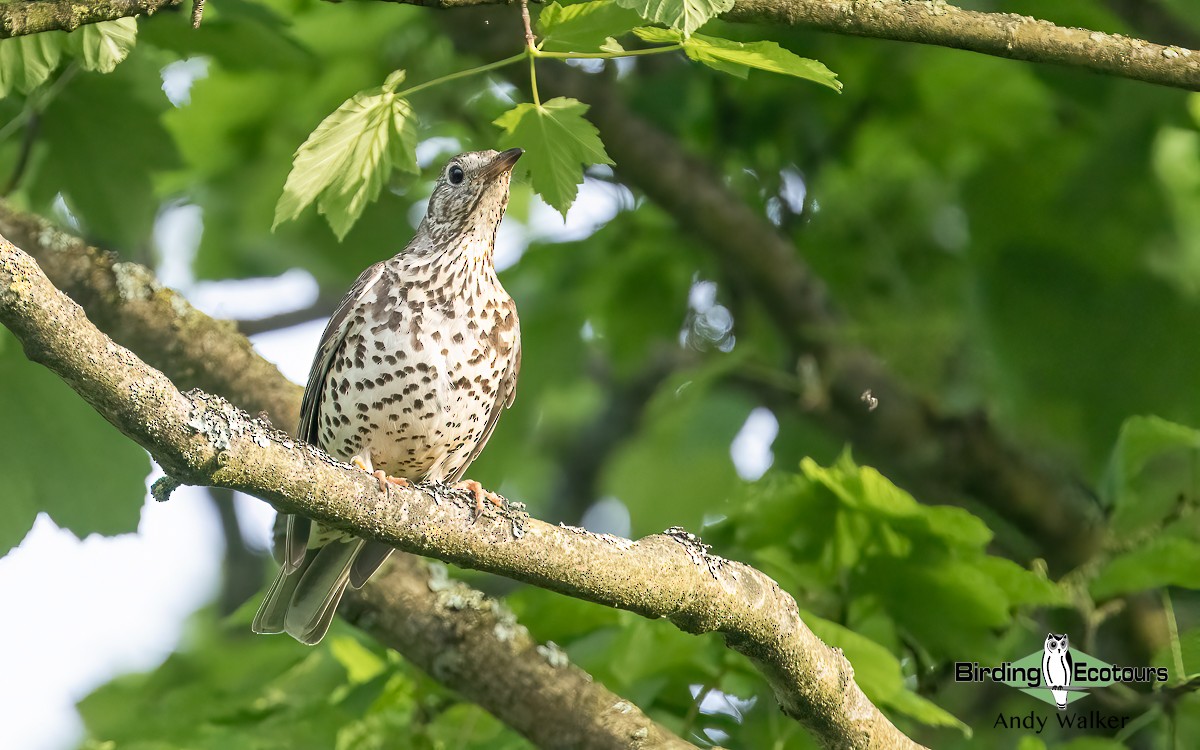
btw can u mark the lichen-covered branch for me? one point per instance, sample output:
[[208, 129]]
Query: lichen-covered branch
[[424, 622], [36, 16], [25, 17], [202, 439], [1000, 34]]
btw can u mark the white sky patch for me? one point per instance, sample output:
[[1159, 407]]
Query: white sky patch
[[98, 607], [608, 515], [794, 189], [248, 299], [179, 76], [432, 151], [178, 228], [751, 447]]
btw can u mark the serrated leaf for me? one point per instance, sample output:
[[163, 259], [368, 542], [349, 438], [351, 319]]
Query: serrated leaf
[[27, 61], [685, 16], [583, 27], [735, 58], [102, 46], [1151, 464], [344, 162], [558, 142], [100, 488], [1165, 561]]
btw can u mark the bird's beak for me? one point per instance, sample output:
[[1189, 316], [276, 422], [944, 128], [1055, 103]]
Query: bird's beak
[[503, 162]]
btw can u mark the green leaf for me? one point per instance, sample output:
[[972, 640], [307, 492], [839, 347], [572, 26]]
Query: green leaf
[[107, 170], [584, 27], [1167, 561], [346, 160], [1021, 586], [684, 16], [27, 61], [102, 46], [58, 456], [734, 58], [866, 490], [1152, 463], [558, 142], [361, 664], [878, 672]]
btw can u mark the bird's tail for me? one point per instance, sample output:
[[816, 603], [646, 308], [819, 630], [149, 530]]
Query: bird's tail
[[304, 596], [301, 602]]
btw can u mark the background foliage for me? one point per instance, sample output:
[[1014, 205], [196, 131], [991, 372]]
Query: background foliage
[[1016, 240]]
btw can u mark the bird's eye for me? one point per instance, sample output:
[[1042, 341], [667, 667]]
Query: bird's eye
[[456, 175]]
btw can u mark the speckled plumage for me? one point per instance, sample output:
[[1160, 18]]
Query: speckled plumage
[[411, 375]]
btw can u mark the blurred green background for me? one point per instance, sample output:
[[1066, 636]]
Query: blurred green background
[[1019, 244]]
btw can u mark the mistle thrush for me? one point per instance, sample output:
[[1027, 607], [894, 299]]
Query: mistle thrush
[[409, 380]]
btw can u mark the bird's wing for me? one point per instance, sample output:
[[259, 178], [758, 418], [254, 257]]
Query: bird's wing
[[506, 393], [299, 527], [331, 342]]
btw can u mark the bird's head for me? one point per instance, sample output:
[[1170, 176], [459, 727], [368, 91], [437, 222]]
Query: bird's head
[[470, 196]]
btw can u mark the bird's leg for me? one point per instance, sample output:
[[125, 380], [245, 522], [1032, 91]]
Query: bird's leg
[[363, 461], [476, 489]]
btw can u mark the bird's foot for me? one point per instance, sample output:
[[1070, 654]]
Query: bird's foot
[[363, 461], [476, 489], [385, 480]]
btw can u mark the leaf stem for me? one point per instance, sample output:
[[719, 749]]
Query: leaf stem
[[532, 53], [606, 55], [1173, 634], [463, 74]]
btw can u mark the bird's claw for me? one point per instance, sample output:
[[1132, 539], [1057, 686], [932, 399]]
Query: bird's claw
[[476, 489], [363, 463], [384, 480]]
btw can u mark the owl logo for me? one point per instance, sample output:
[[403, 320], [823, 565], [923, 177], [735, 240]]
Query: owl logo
[[1057, 667]]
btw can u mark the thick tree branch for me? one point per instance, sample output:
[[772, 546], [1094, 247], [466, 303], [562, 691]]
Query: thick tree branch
[[201, 439], [507, 692], [999, 34], [35, 16]]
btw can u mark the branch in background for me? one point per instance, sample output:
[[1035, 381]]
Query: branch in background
[[587, 715], [127, 302], [421, 622], [204, 440], [936, 23], [36, 16], [999, 34]]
